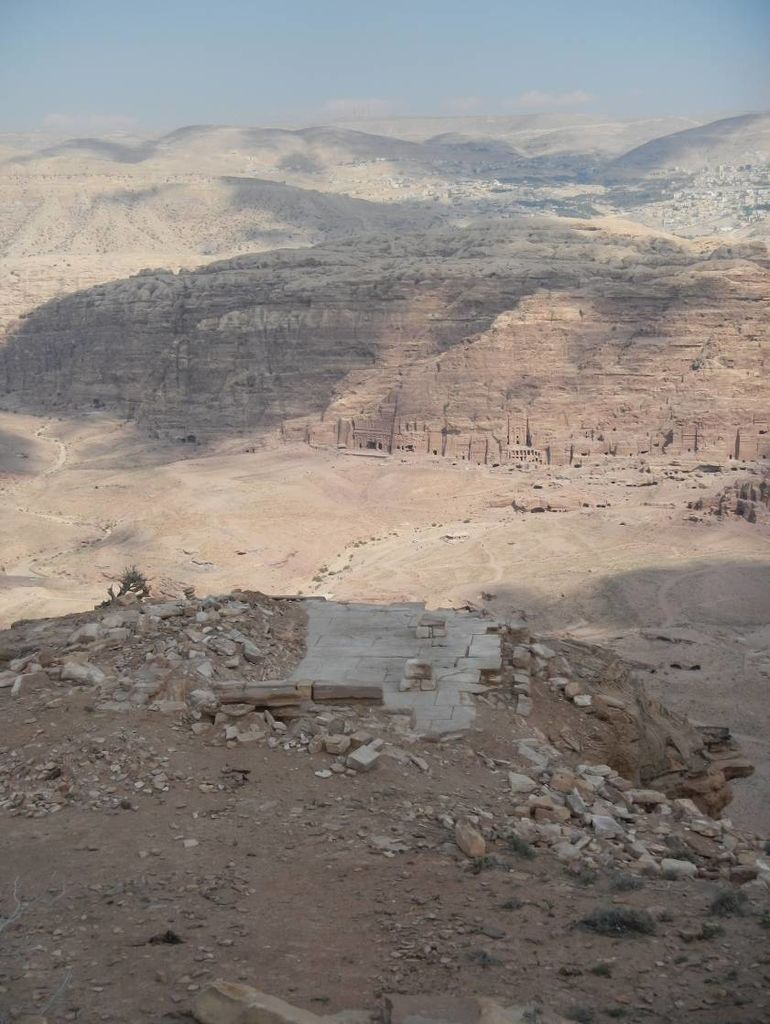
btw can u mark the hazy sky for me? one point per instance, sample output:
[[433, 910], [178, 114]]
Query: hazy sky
[[84, 66]]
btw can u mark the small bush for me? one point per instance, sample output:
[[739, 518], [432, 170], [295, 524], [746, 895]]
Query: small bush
[[520, 847], [483, 959], [729, 902], [711, 930], [619, 921], [131, 581], [512, 904], [602, 970], [487, 863], [583, 875], [624, 881]]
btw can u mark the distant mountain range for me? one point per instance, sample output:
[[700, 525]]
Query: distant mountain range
[[415, 140], [74, 212], [732, 141]]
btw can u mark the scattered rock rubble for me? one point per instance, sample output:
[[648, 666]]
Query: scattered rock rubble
[[595, 771], [225, 1002], [535, 811], [747, 498], [156, 654]]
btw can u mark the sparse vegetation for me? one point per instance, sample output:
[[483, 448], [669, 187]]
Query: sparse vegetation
[[520, 847], [729, 903], [512, 904], [583, 875], [602, 970], [624, 881], [487, 863], [132, 581], [615, 921]]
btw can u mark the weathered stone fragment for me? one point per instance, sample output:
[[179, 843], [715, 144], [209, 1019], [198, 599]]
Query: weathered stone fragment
[[469, 839], [337, 744], [675, 869], [363, 759], [82, 673], [521, 783], [228, 1002]]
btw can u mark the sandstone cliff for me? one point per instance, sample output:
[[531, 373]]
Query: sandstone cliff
[[580, 327]]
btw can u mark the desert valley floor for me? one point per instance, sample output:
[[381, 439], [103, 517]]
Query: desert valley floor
[[684, 596]]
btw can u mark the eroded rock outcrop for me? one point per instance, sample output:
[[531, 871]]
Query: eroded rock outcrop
[[580, 327], [643, 740]]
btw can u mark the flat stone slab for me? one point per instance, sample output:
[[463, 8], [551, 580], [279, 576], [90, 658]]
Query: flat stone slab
[[360, 652]]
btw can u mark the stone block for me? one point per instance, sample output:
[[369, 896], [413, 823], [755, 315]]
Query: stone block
[[485, 645], [486, 664], [541, 651], [363, 759], [347, 691], [359, 738], [524, 705], [338, 744], [264, 694], [167, 610]]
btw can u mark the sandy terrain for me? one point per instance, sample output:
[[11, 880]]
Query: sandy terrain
[[80, 501]]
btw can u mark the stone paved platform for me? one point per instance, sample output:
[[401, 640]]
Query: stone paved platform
[[355, 644]]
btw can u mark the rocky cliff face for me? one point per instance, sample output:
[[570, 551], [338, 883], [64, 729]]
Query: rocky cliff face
[[581, 328]]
